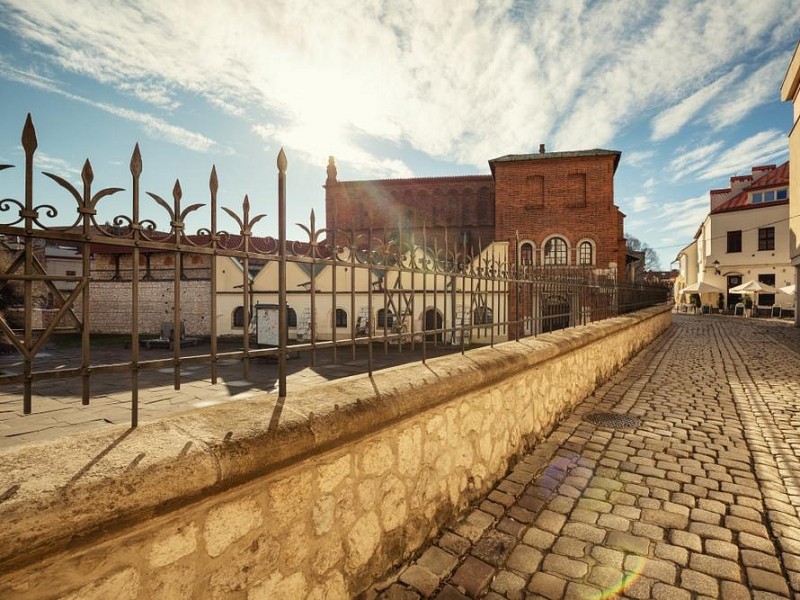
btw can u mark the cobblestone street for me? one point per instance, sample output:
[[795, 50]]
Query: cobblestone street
[[698, 499]]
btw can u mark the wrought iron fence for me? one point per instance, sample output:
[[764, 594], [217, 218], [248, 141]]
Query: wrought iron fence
[[384, 290]]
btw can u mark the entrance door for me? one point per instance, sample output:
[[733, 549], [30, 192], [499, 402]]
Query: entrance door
[[433, 321], [733, 299]]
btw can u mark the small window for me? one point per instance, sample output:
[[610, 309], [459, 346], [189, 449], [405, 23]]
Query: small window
[[766, 238], [555, 251], [341, 317], [769, 196], [781, 194], [758, 198], [482, 316], [526, 254], [385, 319], [585, 254], [71, 273], [238, 317], [291, 317], [735, 241]]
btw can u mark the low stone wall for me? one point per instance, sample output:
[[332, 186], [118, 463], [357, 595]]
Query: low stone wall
[[315, 496]]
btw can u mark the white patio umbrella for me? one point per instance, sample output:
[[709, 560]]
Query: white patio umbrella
[[753, 287], [701, 287], [789, 289]]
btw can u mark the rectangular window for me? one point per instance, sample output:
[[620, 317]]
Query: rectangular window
[[70, 273], [781, 194], [766, 238], [758, 198], [769, 196], [735, 241], [766, 299]]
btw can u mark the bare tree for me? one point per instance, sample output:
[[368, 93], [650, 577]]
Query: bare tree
[[651, 260]]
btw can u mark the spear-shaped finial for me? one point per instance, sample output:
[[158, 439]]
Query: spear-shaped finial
[[213, 182], [282, 161], [136, 161], [29, 142], [87, 174]]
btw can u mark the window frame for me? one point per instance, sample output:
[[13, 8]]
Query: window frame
[[586, 244], [340, 318], [766, 239], [561, 252], [237, 318], [732, 236]]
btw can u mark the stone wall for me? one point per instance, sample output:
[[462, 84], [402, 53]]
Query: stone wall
[[111, 306], [316, 496]]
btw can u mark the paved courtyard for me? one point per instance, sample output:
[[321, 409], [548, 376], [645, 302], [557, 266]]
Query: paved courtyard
[[699, 499], [57, 408]]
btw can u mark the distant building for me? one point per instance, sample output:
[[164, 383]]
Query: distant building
[[557, 206], [555, 210], [790, 92], [745, 237]]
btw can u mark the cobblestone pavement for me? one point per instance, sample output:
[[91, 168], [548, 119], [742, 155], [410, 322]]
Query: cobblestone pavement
[[699, 500], [57, 408]]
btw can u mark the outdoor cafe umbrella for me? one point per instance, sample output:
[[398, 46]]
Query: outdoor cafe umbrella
[[753, 287], [789, 289], [700, 287]]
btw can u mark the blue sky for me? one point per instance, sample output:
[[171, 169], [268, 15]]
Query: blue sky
[[687, 90]]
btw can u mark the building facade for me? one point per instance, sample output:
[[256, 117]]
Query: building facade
[[745, 237], [790, 92], [556, 209]]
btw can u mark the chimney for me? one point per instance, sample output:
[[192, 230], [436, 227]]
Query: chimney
[[541, 148]]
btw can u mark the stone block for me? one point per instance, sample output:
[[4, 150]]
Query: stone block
[[229, 522], [437, 561], [421, 579], [473, 576]]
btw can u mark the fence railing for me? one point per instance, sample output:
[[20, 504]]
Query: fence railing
[[336, 290]]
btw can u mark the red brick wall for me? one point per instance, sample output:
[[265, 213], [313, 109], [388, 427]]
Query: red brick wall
[[559, 210], [457, 203]]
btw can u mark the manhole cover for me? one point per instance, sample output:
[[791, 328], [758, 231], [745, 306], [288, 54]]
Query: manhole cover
[[612, 420]]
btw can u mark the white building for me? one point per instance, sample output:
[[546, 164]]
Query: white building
[[745, 237]]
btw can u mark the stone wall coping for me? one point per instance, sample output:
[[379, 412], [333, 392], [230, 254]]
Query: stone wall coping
[[64, 492]]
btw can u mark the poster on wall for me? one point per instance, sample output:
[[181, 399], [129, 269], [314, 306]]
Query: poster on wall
[[267, 324]]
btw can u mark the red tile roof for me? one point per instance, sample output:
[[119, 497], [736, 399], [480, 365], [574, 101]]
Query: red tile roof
[[773, 178]]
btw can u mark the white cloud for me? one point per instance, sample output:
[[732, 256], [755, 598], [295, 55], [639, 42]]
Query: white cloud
[[636, 159], [692, 161], [53, 164], [153, 125], [685, 216], [757, 89], [465, 82], [672, 120], [640, 203], [763, 147]]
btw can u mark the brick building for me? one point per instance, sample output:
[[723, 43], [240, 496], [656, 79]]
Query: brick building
[[559, 204]]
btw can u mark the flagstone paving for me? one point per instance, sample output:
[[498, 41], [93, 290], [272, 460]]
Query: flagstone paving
[[699, 500]]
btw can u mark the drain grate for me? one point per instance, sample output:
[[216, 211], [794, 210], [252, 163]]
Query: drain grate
[[612, 420]]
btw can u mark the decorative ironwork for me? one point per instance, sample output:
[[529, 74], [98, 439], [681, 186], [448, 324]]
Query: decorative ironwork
[[401, 289]]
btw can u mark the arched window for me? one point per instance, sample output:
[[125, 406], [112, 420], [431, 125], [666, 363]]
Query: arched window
[[238, 317], [291, 317], [526, 254], [585, 253], [341, 317], [555, 252], [482, 316], [385, 318]]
